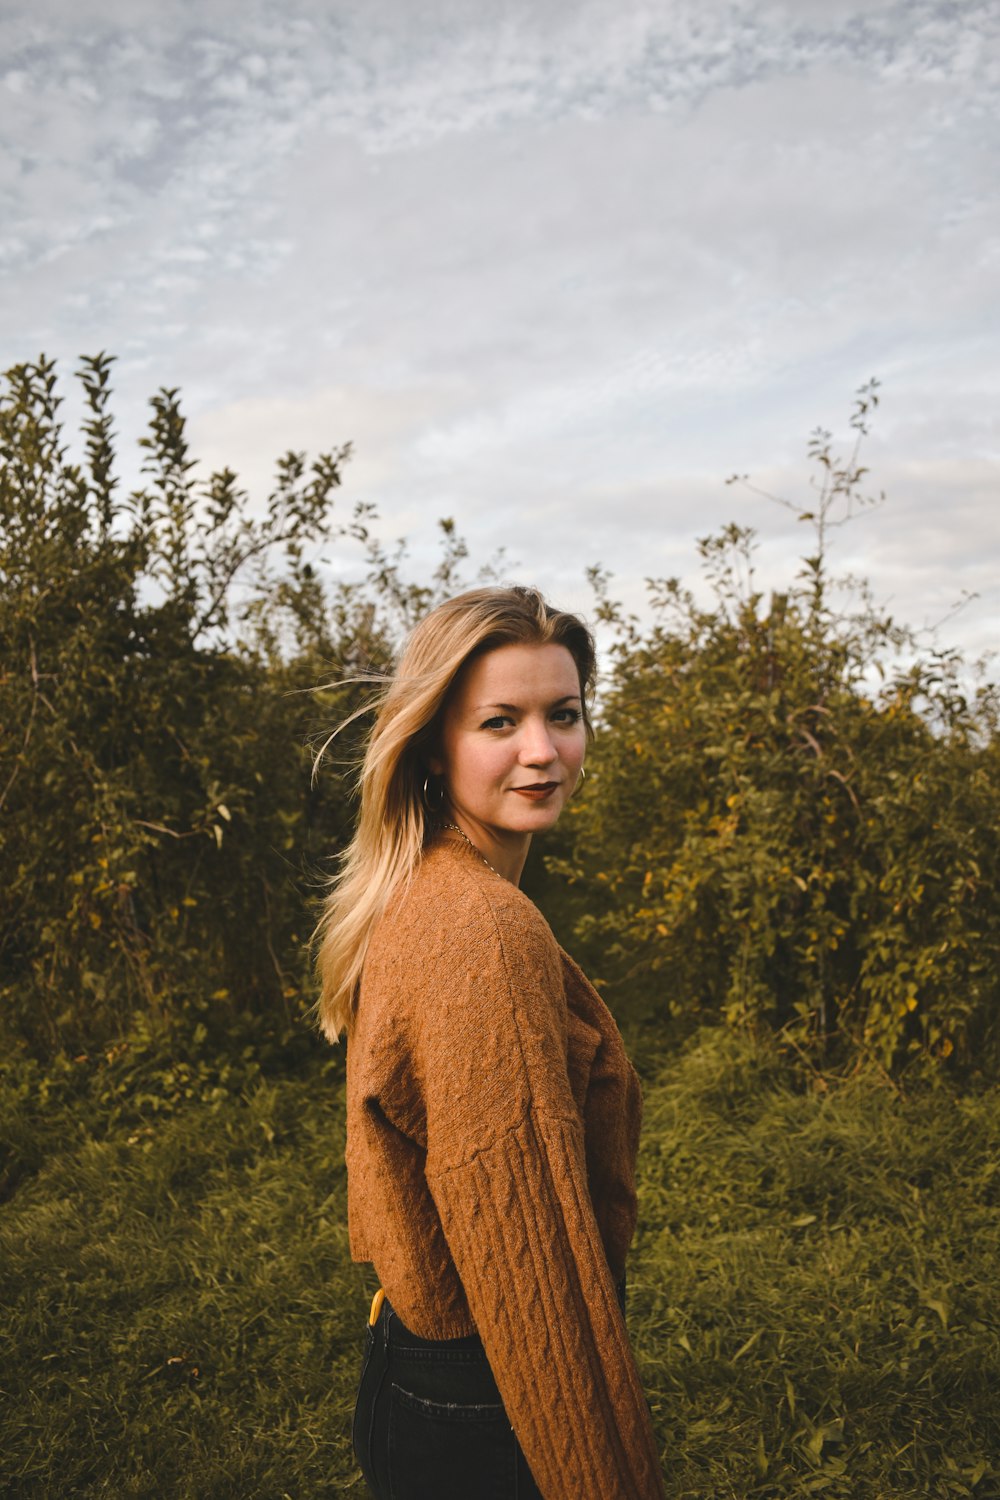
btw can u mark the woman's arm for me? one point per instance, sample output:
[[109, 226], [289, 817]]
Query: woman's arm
[[507, 1169]]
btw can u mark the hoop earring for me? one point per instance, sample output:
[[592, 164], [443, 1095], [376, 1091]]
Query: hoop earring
[[583, 777], [433, 807]]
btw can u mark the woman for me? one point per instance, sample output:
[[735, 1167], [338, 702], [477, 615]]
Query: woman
[[492, 1115]]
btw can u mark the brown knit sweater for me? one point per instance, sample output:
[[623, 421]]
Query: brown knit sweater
[[492, 1130]]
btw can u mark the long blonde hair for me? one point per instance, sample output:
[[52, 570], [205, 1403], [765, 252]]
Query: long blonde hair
[[394, 819]]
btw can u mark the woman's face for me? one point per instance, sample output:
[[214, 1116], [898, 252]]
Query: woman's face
[[512, 742]]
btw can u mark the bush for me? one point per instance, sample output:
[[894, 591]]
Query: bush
[[786, 827]]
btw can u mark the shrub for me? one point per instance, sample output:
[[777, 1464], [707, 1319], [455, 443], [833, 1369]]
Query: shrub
[[158, 812], [785, 824]]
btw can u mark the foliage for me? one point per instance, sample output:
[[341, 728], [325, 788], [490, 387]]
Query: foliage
[[791, 819], [153, 779], [792, 813], [812, 1297], [162, 830]]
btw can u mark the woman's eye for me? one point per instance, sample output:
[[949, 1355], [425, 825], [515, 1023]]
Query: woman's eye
[[565, 716]]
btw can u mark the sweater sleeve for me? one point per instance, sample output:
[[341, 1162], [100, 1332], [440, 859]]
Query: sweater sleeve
[[506, 1166]]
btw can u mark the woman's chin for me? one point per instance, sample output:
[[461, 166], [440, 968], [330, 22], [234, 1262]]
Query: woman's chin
[[536, 817]]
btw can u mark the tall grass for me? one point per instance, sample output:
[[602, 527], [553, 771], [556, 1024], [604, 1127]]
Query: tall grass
[[182, 1312], [812, 1294], [816, 1303]]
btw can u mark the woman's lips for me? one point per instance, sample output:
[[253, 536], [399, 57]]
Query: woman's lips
[[538, 791]]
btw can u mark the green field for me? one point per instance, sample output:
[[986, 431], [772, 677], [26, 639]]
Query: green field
[[813, 1291]]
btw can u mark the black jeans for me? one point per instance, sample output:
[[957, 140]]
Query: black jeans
[[429, 1423]]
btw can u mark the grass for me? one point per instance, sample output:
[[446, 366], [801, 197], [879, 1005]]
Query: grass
[[183, 1315], [817, 1307], [813, 1291]]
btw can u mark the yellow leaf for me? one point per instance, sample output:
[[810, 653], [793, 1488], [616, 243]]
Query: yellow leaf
[[790, 1397], [761, 1463], [936, 1305], [745, 1348]]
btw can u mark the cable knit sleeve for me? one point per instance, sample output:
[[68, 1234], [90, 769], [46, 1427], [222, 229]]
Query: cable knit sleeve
[[506, 1167]]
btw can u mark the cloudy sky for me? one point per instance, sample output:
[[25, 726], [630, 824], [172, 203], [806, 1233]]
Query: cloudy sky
[[557, 267]]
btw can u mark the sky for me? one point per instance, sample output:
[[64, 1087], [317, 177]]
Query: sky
[[556, 268]]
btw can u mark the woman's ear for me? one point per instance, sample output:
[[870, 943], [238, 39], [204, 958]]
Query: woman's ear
[[435, 765]]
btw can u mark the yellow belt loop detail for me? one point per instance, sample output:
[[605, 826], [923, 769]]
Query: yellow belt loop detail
[[377, 1301]]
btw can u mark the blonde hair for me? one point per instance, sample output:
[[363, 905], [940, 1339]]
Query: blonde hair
[[394, 819]]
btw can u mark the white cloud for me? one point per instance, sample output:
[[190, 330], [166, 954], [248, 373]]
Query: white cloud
[[556, 268]]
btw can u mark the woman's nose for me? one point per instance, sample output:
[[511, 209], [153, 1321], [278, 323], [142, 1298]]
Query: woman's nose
[[537, 748]]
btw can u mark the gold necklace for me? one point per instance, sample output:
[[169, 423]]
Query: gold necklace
[[474, 848]]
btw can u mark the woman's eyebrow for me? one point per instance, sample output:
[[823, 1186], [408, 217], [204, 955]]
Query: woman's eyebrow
[[512, 708]]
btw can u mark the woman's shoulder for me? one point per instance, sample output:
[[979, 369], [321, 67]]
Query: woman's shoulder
[[453, 893], [458, 929]]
